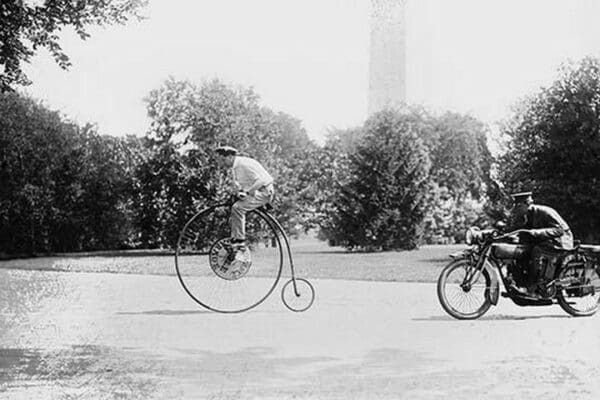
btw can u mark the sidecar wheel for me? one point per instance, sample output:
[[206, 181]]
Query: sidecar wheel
[[582, 298], [460, 302]]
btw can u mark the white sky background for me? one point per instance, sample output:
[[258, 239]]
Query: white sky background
[[309, 58]]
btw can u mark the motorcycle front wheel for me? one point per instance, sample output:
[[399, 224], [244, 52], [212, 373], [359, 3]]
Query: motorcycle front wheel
[[581, 297], [461, 297]]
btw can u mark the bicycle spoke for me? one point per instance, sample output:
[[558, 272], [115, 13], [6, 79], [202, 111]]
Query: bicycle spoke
[[582, 297], [463, 296], [209, 272]]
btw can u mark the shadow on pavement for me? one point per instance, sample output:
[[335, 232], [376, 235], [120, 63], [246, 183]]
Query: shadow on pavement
[[103, 372], [167, 312], [84, 371]]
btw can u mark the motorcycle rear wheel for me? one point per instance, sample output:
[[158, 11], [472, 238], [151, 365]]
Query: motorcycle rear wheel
[[459, 301], [582, 299]]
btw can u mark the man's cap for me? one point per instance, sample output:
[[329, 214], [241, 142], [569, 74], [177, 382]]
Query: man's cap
[[522, 197], [226, 150]]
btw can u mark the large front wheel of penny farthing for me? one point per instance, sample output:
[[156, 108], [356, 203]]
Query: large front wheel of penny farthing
[[219, 276]]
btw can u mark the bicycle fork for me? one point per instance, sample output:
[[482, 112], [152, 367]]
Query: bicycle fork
[[289, 251]]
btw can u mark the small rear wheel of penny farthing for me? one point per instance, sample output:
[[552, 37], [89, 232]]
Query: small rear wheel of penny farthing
[[301, 297], [222, 276]]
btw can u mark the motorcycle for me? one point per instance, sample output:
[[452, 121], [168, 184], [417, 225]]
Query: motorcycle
[[470, 284]]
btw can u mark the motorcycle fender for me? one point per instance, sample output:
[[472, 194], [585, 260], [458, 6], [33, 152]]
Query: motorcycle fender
[[494, 292], [460, 254]]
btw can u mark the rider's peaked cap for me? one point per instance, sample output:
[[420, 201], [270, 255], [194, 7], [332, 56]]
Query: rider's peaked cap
[[522, 197], [226, 151]]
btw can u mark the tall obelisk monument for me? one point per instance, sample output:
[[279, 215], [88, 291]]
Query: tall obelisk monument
[[387, 64]]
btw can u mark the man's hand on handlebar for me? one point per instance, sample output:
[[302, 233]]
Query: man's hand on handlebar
[[238, 195], [520, 235], [235, 196]]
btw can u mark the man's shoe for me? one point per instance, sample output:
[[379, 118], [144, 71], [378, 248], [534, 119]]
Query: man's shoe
[[238, 247], [242, 255], [237, 243]]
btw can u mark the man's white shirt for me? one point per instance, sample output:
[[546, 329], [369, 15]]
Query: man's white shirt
[[248, 173]]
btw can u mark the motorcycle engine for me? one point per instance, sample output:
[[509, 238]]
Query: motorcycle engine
[[518, 272], [546, 292]]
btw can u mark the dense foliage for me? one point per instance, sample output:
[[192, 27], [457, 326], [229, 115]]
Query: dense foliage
[[461, 163], [382, 204], [403, 178], [174, 183], [553, 147], [64, 187], [457, 179], [26, 26], [67, 188]]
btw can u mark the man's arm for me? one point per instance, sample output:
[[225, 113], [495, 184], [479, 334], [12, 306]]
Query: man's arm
[[260, 178], [258, 183], [546, 225], [546, 233]]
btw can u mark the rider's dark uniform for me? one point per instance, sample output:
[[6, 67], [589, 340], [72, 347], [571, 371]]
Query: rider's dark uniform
[[547, 227], [546, 232]]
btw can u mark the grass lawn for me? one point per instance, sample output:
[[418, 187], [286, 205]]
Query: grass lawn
[[312, 259]]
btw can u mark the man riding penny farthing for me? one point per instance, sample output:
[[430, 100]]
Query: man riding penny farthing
[[229, 256]]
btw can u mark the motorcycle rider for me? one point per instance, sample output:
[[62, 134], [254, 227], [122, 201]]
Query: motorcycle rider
[[543, 229]]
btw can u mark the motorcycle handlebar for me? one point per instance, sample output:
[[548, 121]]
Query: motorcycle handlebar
[[509, 234]]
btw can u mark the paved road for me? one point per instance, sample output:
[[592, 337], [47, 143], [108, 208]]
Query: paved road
[[110, 336]]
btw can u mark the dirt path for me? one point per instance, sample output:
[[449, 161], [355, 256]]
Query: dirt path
[[107, 336]]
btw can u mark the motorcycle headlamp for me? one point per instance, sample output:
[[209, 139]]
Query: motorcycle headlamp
[[472, 235]]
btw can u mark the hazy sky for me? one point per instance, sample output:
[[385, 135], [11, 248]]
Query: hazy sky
[[309, 58]]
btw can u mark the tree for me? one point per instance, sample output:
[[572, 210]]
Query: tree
[[106, 181], [64, 187], [553, 147], [332, 162], [205, 115], [381, 206], [25, 27], [461, 160], [459, 174], [32, 142]]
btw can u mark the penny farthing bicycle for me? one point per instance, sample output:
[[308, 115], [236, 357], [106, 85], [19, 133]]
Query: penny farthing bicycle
[[224, 280]]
